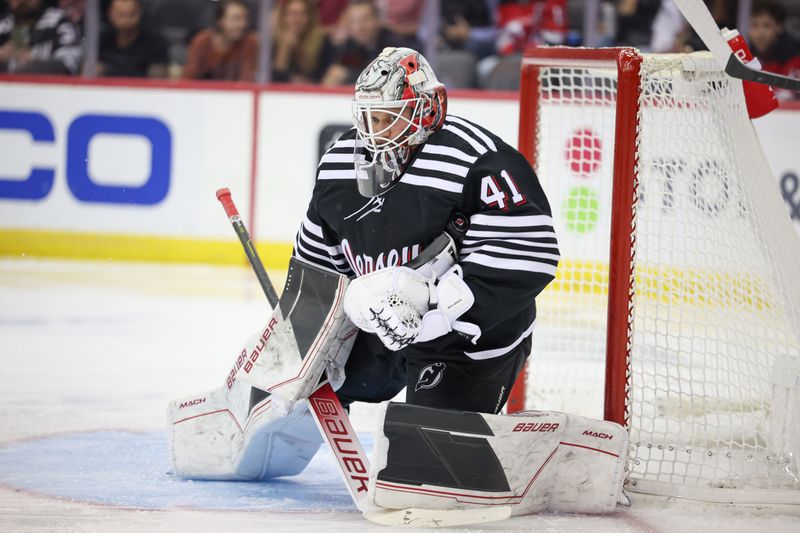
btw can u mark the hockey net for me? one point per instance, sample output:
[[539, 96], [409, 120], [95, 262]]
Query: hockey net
[[676, 308]]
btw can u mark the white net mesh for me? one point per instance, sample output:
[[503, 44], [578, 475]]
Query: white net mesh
[[715, 359]]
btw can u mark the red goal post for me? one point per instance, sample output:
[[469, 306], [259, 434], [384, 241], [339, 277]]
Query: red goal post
[[627, 63]]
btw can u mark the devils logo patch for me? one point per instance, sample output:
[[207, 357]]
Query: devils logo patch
[[430, 376]]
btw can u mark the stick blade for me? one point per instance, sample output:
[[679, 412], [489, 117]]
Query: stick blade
[[414, 517], [736, 69]]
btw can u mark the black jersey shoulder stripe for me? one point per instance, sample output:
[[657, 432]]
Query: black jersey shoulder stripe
[[527, 234], [338, 162], [417, 180], [312, 233], [448, 176], [442, 167], [511, 229], [319, 258], [446, 152], [319, 261], [336, 174], [337, 166], [515, 265], [476, 131], [332, 157], [445, 159], [518, 230], [310, 244], [508, 242], [535, 245], [476, 145], [458, 140], [334, 252], [501, 252], [511, 245], [510, 221]]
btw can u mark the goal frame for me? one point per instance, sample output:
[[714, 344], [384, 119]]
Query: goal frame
[[630, 117], [627, 61]]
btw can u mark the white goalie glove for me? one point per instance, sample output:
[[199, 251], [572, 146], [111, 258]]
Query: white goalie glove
[[404, 306]]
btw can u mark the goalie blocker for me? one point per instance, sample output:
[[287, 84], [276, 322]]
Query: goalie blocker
[[443, 460]]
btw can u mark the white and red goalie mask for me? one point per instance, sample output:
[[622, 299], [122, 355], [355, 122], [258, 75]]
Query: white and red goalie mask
[[398, 103]]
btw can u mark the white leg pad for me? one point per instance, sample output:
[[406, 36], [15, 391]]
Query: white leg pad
[[532, 462], [590, 468], [257, 425], [207, 441]]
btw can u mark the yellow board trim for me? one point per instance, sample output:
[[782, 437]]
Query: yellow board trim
[[119, 247], [667, 285]]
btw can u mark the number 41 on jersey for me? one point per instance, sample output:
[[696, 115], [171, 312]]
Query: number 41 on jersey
[[493, 194]]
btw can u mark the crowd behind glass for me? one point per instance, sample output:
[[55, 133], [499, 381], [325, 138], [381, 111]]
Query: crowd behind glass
[[473, 43]]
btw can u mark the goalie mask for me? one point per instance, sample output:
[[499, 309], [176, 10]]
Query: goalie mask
[[397, 105]]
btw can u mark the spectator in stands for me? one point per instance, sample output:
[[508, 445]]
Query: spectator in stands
[[330, 11], [38, 39], [331, 16], [401, 17], [521, 23], [770, 43], [524, 22], [467, 35], [365, 40], [635, 22], [669, 29], [73, 9], [228, 51], [301, 52], [468, 25], [129, 49]]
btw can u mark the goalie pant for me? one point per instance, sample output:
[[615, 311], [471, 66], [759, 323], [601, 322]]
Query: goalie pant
[[508, 254], [445, 378]]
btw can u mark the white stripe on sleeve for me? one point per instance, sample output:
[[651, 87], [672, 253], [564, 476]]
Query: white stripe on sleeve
[[511, 235], [315, 229], [476, 242], [336, 158], [509, 251], [348, 174], [511, 222], [510, 264], [307, 254], [345, 143]]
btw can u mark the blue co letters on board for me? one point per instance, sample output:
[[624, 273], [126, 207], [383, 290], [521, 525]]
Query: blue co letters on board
[[79, 135]]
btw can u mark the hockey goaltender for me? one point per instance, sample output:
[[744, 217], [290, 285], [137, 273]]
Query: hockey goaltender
[[417, 265]]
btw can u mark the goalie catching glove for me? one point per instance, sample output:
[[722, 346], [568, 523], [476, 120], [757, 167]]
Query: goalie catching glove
[[403, 306]]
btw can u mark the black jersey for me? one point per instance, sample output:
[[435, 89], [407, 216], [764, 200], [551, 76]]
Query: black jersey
[[508, 255], [51, 38]]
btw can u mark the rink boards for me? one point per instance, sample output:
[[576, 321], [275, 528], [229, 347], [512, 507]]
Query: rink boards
[[128, 170]]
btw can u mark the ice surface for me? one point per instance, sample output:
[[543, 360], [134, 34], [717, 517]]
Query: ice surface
[[90, 354]]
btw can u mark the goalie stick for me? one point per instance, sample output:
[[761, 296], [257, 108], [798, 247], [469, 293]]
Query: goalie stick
[[700, 19], [224, 196], [328, 412], [334, 424]]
